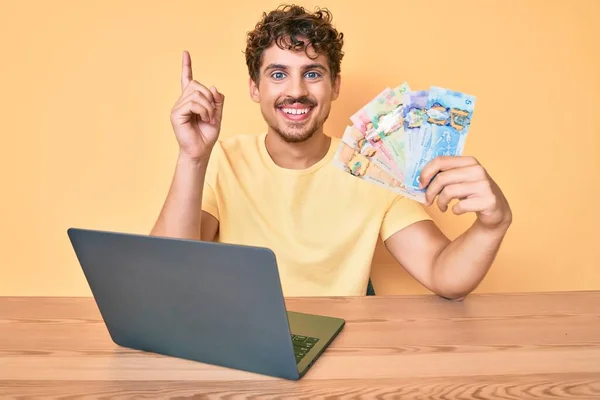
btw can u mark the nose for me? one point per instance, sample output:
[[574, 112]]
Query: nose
[[297, 88]]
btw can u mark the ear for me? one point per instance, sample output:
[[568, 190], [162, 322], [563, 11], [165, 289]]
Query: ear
[[254, 92], [336, 87]]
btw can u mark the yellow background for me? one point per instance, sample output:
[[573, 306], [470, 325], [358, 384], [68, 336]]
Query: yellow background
[[87, 88]]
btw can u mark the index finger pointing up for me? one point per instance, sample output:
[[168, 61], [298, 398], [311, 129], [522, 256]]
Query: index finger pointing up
[[186, 70]]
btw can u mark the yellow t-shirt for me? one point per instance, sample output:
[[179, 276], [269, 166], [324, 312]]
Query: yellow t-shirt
[[321, 223]]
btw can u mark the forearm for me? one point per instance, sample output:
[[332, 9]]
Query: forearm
[[464, 262], [181, 213]]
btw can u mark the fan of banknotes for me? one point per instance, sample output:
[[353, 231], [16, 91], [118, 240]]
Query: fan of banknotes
[[400, 131]]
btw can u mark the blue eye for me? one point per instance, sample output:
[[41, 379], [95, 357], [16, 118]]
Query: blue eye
[[278, 75], [313, 75]]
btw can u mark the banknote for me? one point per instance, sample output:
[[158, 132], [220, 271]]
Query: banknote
[[444, 129], [389, 138], [354, 138], [383, 115], [361, 118], [385, 102], [381, 109], [413, 115], [359, 165]]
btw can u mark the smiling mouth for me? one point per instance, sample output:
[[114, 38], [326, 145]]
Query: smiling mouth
[[296, 113]]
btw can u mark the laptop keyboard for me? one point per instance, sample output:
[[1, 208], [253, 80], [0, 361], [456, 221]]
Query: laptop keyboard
[[302, 345]]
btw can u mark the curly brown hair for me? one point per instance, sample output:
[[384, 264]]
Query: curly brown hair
[[284, 25]]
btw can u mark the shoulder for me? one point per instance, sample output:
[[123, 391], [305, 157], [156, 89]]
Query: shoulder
[[335, 141], [235, 148], [239, 143]]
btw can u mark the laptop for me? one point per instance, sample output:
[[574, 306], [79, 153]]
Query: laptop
[[215, 303]]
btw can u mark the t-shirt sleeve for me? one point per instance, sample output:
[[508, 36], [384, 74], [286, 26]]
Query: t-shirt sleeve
[[210, 202], [401, 213]]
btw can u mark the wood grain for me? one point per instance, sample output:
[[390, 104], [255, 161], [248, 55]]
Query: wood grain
[[511, 346]]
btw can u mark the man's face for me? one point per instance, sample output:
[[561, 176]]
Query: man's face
[[295, 92]]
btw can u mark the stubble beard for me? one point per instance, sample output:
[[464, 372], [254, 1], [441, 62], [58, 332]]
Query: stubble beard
[[294, 132]]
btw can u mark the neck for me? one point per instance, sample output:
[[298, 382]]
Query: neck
[[297, 155]]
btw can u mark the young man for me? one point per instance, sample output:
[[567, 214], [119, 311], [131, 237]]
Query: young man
[[280, 189]]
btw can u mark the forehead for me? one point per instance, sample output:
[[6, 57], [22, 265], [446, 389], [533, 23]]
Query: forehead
[[291, 58]]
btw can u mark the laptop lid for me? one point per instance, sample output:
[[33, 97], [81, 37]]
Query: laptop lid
[[211, 302]]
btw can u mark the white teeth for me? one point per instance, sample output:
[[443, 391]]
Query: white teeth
[[295, 111]]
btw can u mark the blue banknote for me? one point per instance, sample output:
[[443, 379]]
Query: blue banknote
[[413, 115], [443, 130]]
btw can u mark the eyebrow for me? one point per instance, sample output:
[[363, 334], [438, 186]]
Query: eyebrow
[[304, 67]]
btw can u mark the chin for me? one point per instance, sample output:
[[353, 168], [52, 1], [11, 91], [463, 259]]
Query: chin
[[295, 136], [298, 133]]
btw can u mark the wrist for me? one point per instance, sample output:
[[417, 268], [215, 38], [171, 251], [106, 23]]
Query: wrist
[[184, 159]]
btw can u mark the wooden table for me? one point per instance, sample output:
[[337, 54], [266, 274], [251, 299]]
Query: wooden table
[[517, 346]]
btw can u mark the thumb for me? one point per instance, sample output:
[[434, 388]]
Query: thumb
[[219, 101]]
